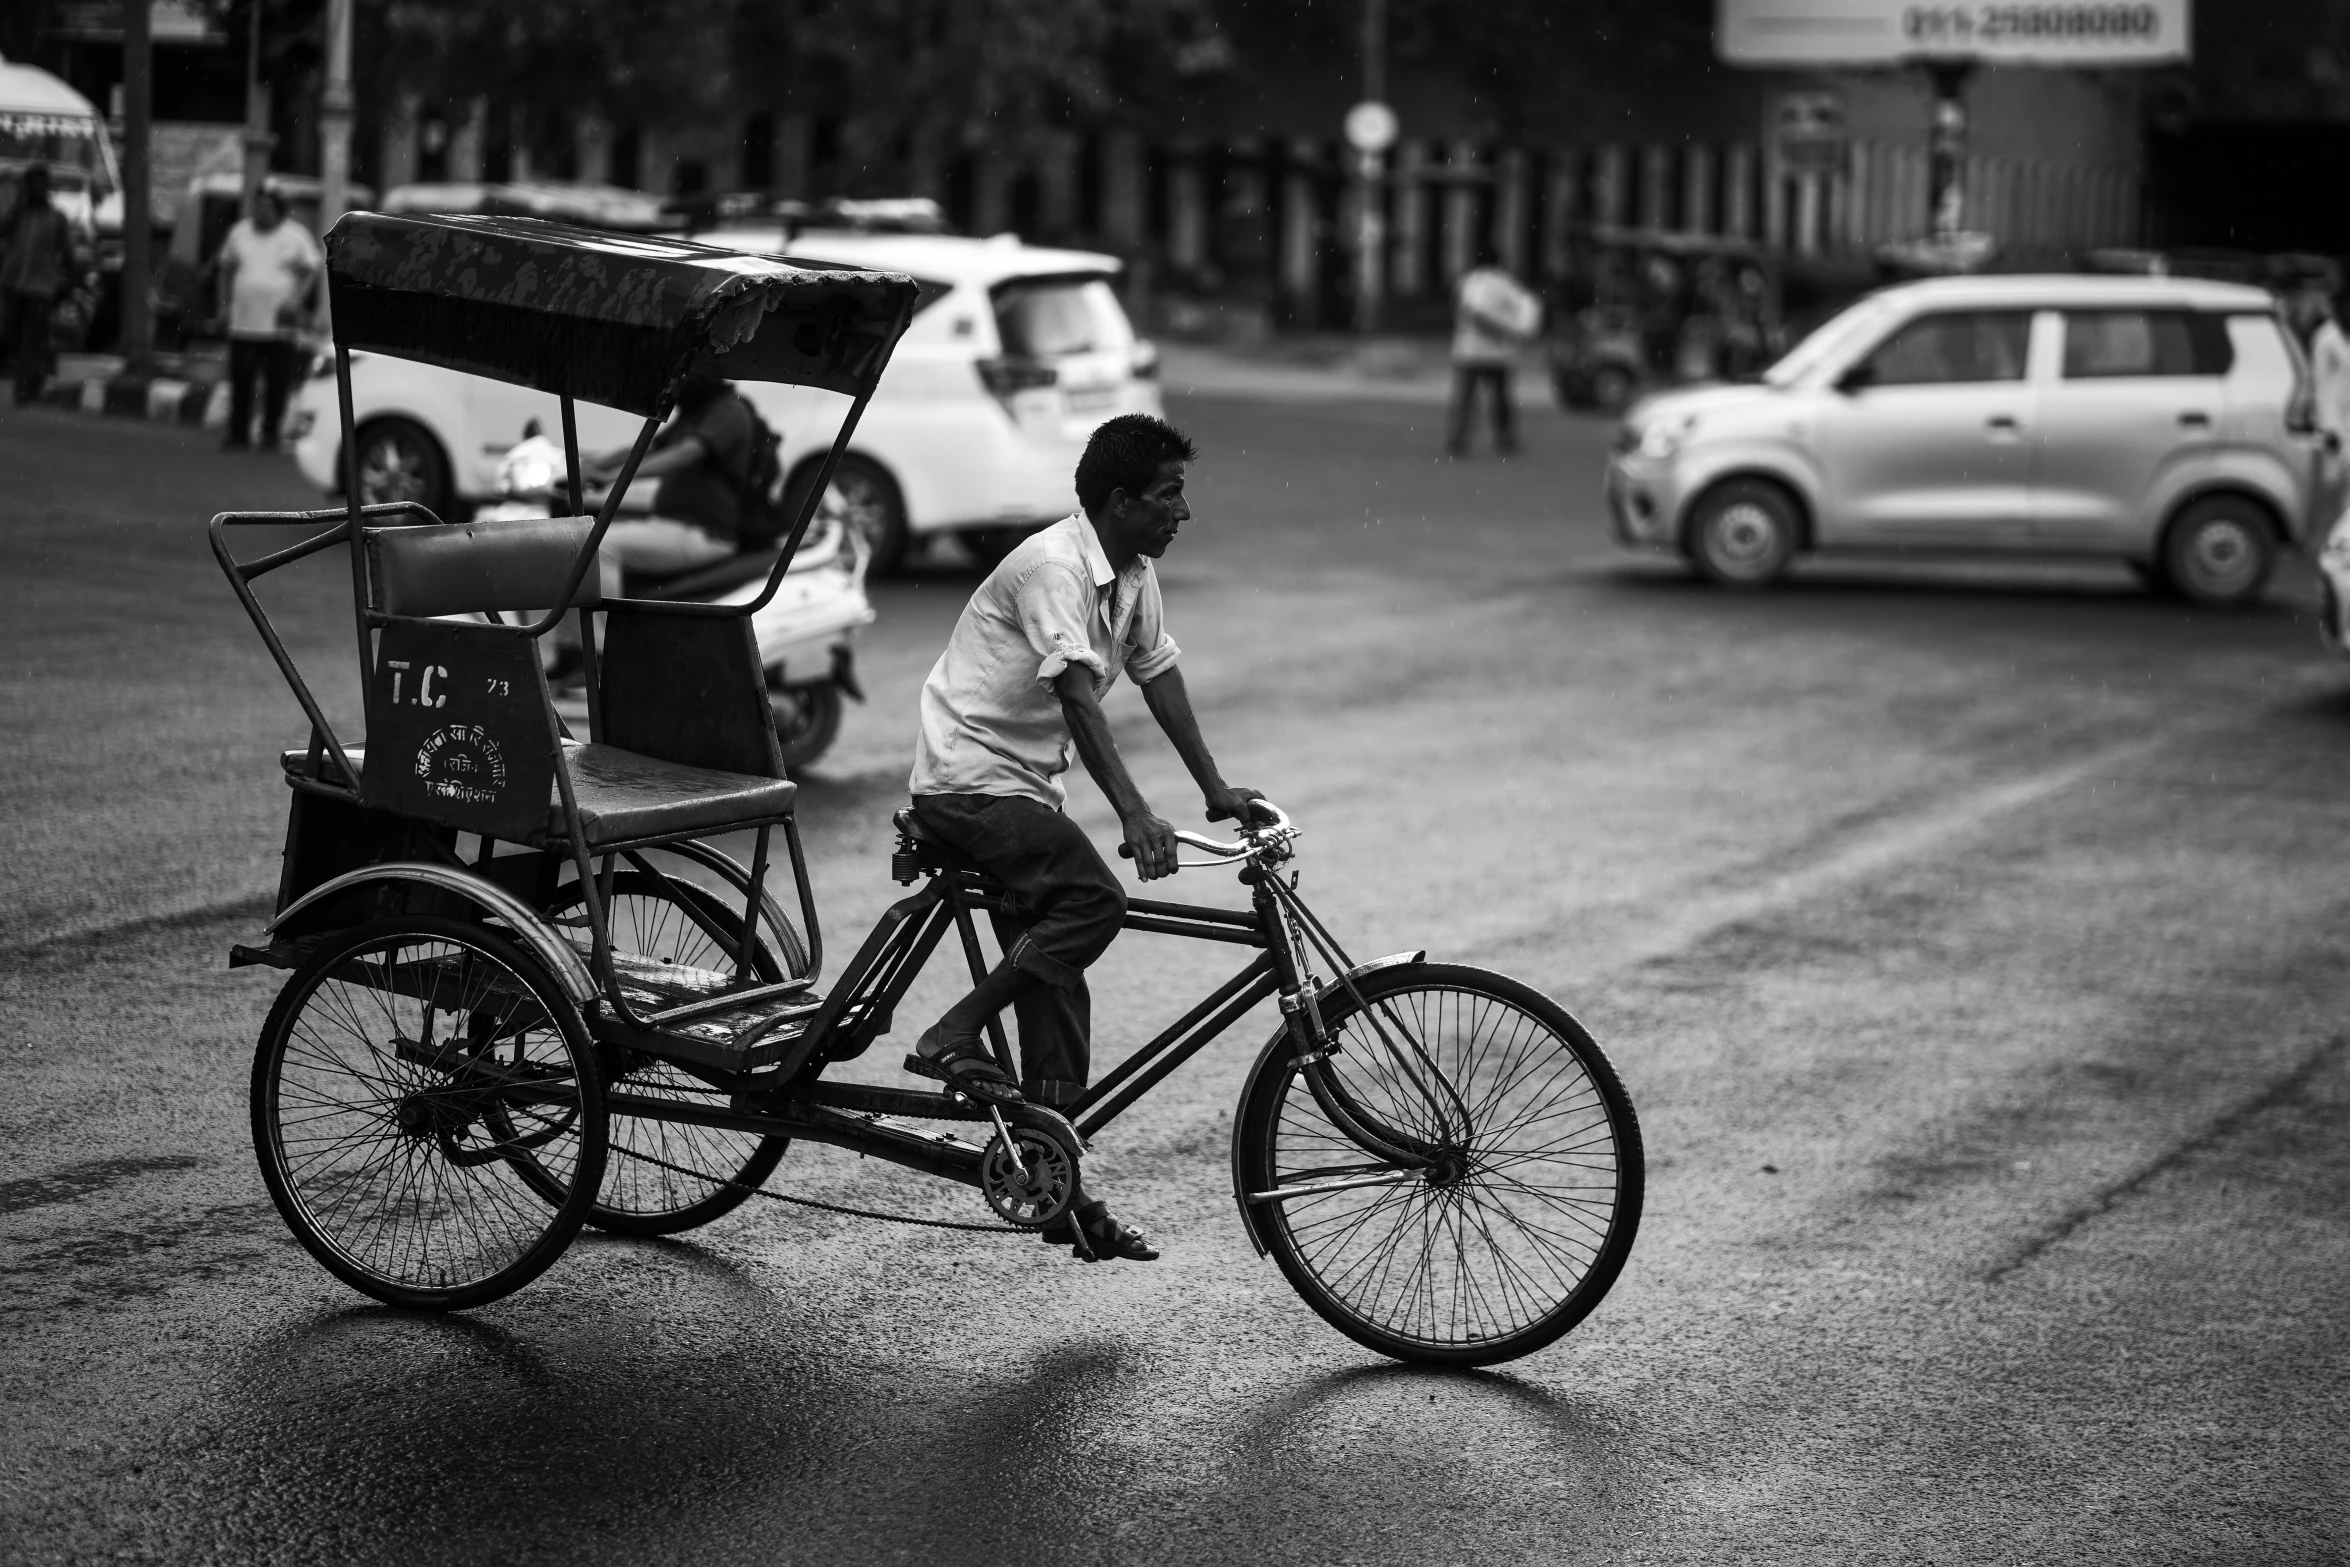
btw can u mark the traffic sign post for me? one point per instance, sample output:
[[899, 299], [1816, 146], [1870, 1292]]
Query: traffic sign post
[[1370, 130]]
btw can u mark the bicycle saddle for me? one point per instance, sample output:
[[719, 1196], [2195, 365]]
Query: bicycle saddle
[[921, 851]]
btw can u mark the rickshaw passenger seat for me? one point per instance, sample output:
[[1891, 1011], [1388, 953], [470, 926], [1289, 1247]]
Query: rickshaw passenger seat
[[624, 796], [458, 568]]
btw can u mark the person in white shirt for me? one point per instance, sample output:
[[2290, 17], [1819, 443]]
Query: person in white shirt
[[2329, 360], [1493, 316], [1019, 687], [267, 267]]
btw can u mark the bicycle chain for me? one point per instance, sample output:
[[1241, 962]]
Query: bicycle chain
[[810, 1202]]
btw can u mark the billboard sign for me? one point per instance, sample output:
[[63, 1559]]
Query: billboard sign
[[1817, 33]]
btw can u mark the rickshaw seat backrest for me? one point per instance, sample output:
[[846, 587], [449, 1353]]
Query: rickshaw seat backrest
[[457, 568]]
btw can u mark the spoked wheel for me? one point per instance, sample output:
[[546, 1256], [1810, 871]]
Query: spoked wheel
[[1525, 1210], [421, 1089], [689, 1186]]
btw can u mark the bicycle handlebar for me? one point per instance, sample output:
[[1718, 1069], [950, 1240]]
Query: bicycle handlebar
[[1227, 851]]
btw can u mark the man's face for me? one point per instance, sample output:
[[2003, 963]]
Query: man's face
[[267, 213], [1152, 519]]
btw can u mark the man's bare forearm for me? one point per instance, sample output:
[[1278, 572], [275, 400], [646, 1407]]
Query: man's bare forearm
[[1170, 704], [1089, 726]]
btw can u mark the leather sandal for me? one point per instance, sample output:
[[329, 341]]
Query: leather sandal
[[963, 1064], [1093, 1234]]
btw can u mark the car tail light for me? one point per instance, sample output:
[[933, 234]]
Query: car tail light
[[1144, 364], [1004, 378]]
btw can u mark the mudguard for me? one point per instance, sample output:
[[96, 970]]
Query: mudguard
[[561, 959]]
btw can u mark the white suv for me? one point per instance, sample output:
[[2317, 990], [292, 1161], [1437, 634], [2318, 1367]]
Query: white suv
[[1014, 355], [2158, 421]]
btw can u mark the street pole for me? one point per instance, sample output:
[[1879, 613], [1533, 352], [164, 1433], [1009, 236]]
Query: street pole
[[1370, 217], [1946, 149], [257, 139], [138, 223], [334, 118]]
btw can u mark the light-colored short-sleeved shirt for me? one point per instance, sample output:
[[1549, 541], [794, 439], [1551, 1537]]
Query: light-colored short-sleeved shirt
[[2329, 366], [991, 721], [1494, 316], [271, 271]]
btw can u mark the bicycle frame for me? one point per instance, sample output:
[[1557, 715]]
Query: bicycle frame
[[791, 1100]]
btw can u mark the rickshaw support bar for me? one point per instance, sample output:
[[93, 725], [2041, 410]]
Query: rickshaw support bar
[[942, 1156]]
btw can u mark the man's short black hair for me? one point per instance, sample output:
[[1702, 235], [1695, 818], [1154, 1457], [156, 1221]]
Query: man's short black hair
[[1126, 453]]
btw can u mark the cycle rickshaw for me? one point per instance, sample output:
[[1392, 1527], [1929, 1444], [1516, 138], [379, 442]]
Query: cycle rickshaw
[[530, 991]]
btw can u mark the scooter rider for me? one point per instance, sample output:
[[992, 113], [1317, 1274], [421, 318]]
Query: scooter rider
[[1021, 681], [703, 460]]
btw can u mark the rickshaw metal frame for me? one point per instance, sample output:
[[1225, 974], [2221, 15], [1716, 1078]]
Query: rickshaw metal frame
[[789, 1098], [470, 883]]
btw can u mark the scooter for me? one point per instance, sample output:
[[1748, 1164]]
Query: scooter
[[807, 631]]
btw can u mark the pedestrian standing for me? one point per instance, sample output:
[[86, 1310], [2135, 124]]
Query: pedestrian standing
[[1493, 316], [2329, 360], [268, 268], [36, 254]]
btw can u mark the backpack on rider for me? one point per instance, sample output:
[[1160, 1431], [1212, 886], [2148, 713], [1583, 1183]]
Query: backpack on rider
[[764, 516]]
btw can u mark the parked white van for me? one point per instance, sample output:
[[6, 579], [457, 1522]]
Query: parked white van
[[1015, 354]]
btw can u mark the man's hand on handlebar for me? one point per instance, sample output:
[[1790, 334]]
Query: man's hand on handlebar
[[1152, 843], [1236, 804]]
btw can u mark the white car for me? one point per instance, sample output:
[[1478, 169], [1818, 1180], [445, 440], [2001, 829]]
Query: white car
[[1014, 356], [2162, 422]]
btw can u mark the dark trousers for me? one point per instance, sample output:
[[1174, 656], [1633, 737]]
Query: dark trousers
[[270, 361], [1495, 379], [24, 329], [1069, 908]]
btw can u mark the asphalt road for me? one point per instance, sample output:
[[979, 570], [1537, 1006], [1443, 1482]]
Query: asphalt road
[[1967, 937]]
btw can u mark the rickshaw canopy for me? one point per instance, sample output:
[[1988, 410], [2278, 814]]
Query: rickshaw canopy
[[607, 318]]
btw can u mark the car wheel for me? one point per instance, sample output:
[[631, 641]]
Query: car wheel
[[870, 503], [2219, 551], [1743, 533], [1612, 389], [400, 461]]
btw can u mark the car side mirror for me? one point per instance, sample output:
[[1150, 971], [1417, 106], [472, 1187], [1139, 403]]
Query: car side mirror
[[1859, 378]]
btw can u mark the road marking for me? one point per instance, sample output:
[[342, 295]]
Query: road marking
[[2281, 1090], [1867, 853]]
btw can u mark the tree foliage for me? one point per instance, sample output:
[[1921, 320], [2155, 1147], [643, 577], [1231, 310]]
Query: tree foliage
[[912, 82]]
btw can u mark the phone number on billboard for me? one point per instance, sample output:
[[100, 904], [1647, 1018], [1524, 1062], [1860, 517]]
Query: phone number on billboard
[[1967, 24]]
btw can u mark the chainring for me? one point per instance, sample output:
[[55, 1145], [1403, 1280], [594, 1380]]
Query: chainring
[[1032, 1183]]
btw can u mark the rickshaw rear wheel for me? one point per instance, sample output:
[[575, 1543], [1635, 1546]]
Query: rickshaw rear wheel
[[717, 1167], [414, 1084]]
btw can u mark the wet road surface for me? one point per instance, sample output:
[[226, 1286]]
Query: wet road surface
[[1968, 938]]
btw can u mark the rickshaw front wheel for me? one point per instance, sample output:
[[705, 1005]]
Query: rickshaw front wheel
[[408, 1076]]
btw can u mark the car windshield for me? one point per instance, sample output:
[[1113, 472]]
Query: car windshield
[[72, 145], [1044, 318], [1826, 342]]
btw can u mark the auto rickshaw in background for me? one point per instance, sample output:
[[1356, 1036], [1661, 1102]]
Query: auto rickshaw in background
[[1644, 308]]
